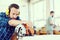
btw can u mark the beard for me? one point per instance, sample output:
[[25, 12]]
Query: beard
[[52, 16]]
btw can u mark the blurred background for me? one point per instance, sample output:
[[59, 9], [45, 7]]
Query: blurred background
[[35, 11]]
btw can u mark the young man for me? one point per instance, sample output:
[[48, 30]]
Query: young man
[[50, 23], [9, 22]]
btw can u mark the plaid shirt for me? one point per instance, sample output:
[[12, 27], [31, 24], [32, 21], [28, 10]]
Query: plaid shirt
[[6, 30]]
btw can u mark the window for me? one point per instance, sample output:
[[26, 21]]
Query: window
[[38, 13]]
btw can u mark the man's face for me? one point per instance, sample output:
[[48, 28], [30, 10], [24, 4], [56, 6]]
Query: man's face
[[14, 13], [52, 14]]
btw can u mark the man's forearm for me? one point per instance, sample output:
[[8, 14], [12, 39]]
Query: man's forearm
[[14, 22]]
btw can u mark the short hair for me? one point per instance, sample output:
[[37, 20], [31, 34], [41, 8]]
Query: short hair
[[13, 5], [51, 12]]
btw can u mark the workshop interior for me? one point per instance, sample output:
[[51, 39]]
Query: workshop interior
[[36, 12]]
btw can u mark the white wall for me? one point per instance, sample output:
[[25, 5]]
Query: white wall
[[5, 3], [24, 10]]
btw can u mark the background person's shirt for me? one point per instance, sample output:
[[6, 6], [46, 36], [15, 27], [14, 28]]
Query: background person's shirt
[[6, 30], [49, 27]]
